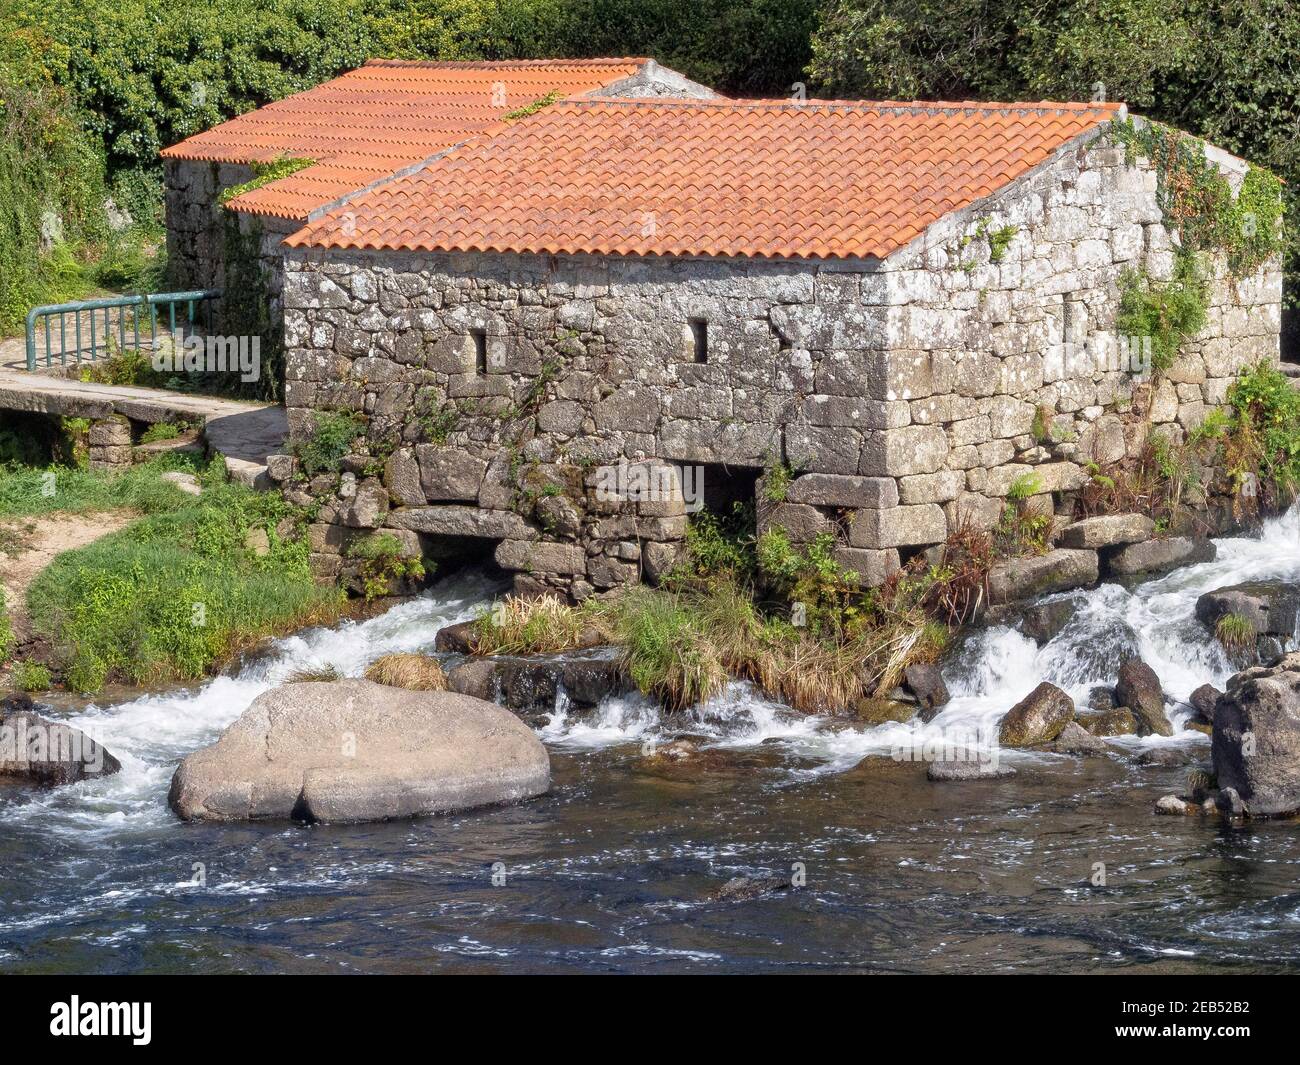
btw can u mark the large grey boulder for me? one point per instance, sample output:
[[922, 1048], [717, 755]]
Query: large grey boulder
[[1056, 571], [1139, 689], [36, 750], [1038, 718], [1270, 606], [351, 750], [1256, 742]]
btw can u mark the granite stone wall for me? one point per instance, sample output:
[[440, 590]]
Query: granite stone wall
[[197, 229], [503, 395]]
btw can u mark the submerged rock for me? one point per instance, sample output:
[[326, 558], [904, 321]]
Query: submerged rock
[[1139, 689], [973, 768], [1172, 804], [1038, 718], [744, 888], [352, 750], [1164, 757], [1256, 743], [36, 750]]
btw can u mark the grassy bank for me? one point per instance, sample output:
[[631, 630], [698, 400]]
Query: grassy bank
[[791, 621], [193, 581]]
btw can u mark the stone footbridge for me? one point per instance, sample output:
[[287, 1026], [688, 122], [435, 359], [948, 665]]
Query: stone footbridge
[[245, 433]]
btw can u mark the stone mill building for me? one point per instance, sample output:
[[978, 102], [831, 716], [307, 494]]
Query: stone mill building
[[536, 312]]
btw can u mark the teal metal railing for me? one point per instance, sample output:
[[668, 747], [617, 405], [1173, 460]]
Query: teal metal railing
[[143, 313]]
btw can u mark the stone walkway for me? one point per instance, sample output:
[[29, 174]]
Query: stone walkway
[[246, 433]]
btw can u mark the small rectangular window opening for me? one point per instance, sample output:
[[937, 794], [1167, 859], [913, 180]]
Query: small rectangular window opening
[[480, 350], [699, 340]]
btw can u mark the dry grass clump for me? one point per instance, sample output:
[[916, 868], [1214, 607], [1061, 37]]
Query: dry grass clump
[[414, 672], [313, 675]]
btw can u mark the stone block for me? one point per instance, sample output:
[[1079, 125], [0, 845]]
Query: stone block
[[802, 523], [449, 474], [940, 487], [873, 568], [1107, 530], [1035, 575], [899, 452], [900, 526], [531, 556], [832, 490]]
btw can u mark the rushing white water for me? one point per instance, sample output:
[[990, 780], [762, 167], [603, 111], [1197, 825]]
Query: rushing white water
[[996, 668]]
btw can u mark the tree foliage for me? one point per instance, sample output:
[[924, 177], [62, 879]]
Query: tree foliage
[[1222, 69]]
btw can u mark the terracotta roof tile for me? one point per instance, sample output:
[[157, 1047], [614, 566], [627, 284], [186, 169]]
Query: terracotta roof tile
[[821, 179], [381, 118]]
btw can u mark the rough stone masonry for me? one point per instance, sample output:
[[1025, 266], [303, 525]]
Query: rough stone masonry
[[500, 391]]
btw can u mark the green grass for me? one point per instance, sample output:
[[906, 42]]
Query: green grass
[[32, 677], [29, 491], [1235, 632], [6, 631], [173, 593]]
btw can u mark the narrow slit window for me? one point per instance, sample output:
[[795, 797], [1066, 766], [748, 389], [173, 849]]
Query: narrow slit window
[[480, 350], [699, 340]]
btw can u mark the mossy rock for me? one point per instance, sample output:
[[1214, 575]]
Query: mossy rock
[[1118, 722], [1038, 718], [875, 711]]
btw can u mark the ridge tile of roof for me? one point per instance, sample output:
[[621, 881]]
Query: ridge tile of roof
[[761, 178], [381, 118]]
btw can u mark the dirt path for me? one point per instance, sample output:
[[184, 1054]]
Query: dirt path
[[30, 544]]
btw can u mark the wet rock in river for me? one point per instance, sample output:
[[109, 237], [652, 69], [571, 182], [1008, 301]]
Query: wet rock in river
[[530, 685], [1270, 606], [975, 767], [458, 638], [1074, 739], [1139, 689], [1038, 718], [925, 681], [36, 750], [1041, 622], [1101, 698], [1164, 757], [1172, 804], [352, 750], [1256, 742], [875, 711], [745, 888], [1158, 556], [1117, 722], [1202, 701]]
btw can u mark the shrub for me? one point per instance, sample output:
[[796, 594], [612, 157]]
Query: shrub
[[382, 563], [332, 436], [31, 677], [314, 675], [414, 672]]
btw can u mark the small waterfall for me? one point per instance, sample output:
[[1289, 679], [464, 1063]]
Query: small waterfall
[[994, 669]]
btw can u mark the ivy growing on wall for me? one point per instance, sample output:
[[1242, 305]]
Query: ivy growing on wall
[[246, 303], [1200, 210]]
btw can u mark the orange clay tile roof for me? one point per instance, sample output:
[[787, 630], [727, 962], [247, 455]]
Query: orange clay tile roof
[[709, 178], [381, 118]]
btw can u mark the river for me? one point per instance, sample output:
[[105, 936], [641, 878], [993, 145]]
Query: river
[[1061, 868]]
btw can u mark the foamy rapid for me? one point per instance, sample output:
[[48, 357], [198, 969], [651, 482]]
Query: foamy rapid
[[994, 669]]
